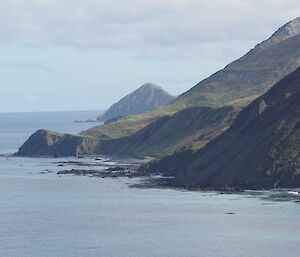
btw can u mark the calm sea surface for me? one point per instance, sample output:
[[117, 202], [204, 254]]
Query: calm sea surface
[[15, 128], [46, 215]]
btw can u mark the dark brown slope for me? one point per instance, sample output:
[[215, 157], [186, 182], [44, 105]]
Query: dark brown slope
[[260, 150], [189, 128]]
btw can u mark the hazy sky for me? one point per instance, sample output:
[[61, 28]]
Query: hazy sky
[[81, 55]]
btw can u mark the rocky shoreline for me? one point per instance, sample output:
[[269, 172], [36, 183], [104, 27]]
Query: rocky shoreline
[[105, 167], [109, 172], [112, 168], [101, 167]]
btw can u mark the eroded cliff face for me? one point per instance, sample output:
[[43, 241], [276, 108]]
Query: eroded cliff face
[[48, 143]]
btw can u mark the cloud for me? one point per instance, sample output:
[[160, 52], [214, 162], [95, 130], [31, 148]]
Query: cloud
[[155, 28], [30, 98], [24, 66]]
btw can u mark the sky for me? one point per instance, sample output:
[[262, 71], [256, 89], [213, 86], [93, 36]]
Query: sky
[[85, 55]]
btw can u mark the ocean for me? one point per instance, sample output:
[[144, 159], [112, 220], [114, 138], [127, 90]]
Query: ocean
[[15, 128], [43, 214]]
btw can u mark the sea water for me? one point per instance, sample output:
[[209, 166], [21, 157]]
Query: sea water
[[43, 214], [15, 128]]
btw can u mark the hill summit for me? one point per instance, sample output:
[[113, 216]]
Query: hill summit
[[290, 29], [147, 97]]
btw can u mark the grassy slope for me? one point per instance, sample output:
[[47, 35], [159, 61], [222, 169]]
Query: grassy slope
[[189, 128], [239, 83], [130, 124]]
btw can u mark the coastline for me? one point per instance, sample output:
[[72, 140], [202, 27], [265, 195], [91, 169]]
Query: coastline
[[120, 166], [114, 166]]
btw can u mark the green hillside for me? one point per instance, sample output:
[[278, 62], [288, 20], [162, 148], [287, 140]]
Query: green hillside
[[238, 83]]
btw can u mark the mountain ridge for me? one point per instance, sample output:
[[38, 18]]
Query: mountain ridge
[[251, 75]]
